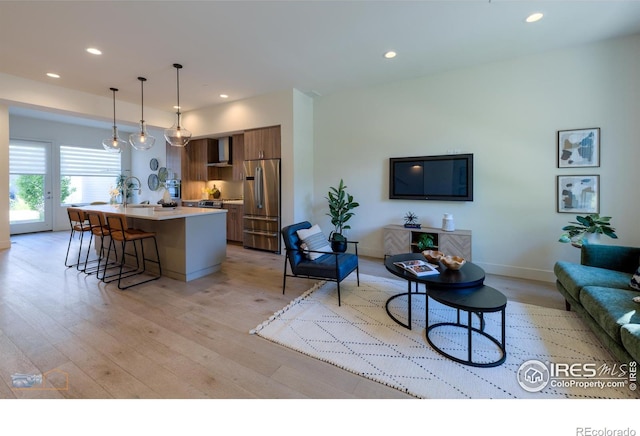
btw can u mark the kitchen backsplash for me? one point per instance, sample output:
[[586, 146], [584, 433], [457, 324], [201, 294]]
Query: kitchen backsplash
[[227, 189]]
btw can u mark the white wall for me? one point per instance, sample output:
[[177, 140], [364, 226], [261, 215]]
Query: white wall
[[507, 114], [302, 159], [5, 242]]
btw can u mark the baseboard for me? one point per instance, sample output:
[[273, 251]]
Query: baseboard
[[517, 272]]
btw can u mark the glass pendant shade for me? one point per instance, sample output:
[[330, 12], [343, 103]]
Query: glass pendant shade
[[114, 144], [177, 135], [142, 140]]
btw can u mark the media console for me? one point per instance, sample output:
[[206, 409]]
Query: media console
[[399, 239]]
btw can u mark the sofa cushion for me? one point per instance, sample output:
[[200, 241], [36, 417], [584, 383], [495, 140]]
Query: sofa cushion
[[630, 334], [611, 308], [574, 277]]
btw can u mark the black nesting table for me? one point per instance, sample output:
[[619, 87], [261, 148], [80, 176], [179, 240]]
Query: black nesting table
[[463, 290]]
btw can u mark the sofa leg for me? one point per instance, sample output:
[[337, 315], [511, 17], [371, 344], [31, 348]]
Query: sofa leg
[[567, 306]]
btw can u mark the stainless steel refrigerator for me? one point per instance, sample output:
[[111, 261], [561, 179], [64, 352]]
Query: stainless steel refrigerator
[[262, 204]]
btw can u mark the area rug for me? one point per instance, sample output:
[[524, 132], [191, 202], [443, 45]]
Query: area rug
[[360, 337]]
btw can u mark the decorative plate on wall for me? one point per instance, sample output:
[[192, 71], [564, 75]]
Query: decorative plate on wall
[[153, 164], [153, 182]]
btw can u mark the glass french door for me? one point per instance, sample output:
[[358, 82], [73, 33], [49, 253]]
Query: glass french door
[[30, 194]]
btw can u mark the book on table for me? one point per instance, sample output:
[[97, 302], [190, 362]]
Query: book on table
[[418, 267]]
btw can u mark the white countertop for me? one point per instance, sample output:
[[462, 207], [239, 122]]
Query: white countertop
[[153, 212]]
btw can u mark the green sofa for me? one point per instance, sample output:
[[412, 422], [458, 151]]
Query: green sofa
[[598, 289]]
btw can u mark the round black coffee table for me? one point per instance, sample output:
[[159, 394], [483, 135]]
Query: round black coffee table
[[463, 290], [469, 276], [478, 300]]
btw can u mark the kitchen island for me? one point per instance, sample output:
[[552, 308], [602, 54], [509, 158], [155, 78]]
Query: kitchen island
[[192, 241]]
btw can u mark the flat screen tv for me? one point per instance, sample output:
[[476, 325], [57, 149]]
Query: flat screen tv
[[444, 177]]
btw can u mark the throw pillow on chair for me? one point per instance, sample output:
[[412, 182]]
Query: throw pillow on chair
[[314, 239]]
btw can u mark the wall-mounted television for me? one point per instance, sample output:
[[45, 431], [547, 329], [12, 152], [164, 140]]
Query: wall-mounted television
[[444, 177]]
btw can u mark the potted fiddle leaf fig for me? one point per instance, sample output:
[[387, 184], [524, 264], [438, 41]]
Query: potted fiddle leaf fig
[[341, 205], [584, 228]]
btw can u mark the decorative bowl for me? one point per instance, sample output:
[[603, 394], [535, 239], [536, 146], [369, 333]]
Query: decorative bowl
[[453, 262], [433, 256]]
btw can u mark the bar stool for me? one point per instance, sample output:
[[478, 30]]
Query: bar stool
[[78, 223], [99, 229], [120, 232]]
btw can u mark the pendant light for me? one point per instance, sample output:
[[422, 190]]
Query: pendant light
[[177, 135], [114, 144], [142, 140]]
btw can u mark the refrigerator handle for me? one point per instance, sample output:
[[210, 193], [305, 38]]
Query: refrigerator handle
[[259, 188]]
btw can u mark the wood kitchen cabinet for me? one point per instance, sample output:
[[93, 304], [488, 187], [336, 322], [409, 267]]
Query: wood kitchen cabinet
[[235, 214], [262, 143], [237, 155], [194, 167]]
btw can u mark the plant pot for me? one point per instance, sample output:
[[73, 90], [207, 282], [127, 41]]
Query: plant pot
[[339, 246]]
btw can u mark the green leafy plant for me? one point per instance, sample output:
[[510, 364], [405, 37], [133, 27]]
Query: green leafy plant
[[66, 189], [131, 185], [576, 231], [341, 205], [31, 190], [425, 241]]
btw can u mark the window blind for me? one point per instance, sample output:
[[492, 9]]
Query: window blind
[[25, 158], [79, 161]]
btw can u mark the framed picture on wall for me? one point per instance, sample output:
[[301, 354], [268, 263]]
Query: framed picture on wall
[[579, 148], [578, 194]]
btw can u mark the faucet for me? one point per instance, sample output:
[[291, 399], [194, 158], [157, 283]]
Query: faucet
[[126, 188]]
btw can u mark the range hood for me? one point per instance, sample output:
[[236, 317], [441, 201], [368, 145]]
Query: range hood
[[223, 157]]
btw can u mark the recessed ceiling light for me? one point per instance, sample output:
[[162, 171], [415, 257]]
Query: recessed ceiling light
[[177, 107], [94, 51], [53, 75], [534, 17], [390, 54], [224, 96]]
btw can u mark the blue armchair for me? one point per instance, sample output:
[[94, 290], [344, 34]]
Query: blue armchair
[[329, 266]]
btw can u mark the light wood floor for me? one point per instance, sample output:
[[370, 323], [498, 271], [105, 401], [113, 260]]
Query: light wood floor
[[169, 339]]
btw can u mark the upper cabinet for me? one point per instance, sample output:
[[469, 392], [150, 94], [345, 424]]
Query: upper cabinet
[[237, 147], [194, 165], [263, 143]]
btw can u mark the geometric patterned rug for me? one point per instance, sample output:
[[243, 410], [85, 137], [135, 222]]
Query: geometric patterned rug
[[360, 337]]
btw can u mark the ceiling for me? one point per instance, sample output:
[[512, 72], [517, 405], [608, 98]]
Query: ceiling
[[247, 48]]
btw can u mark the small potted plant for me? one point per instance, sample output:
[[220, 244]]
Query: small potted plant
[[340, 206], [586, 228], [425, 242]]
